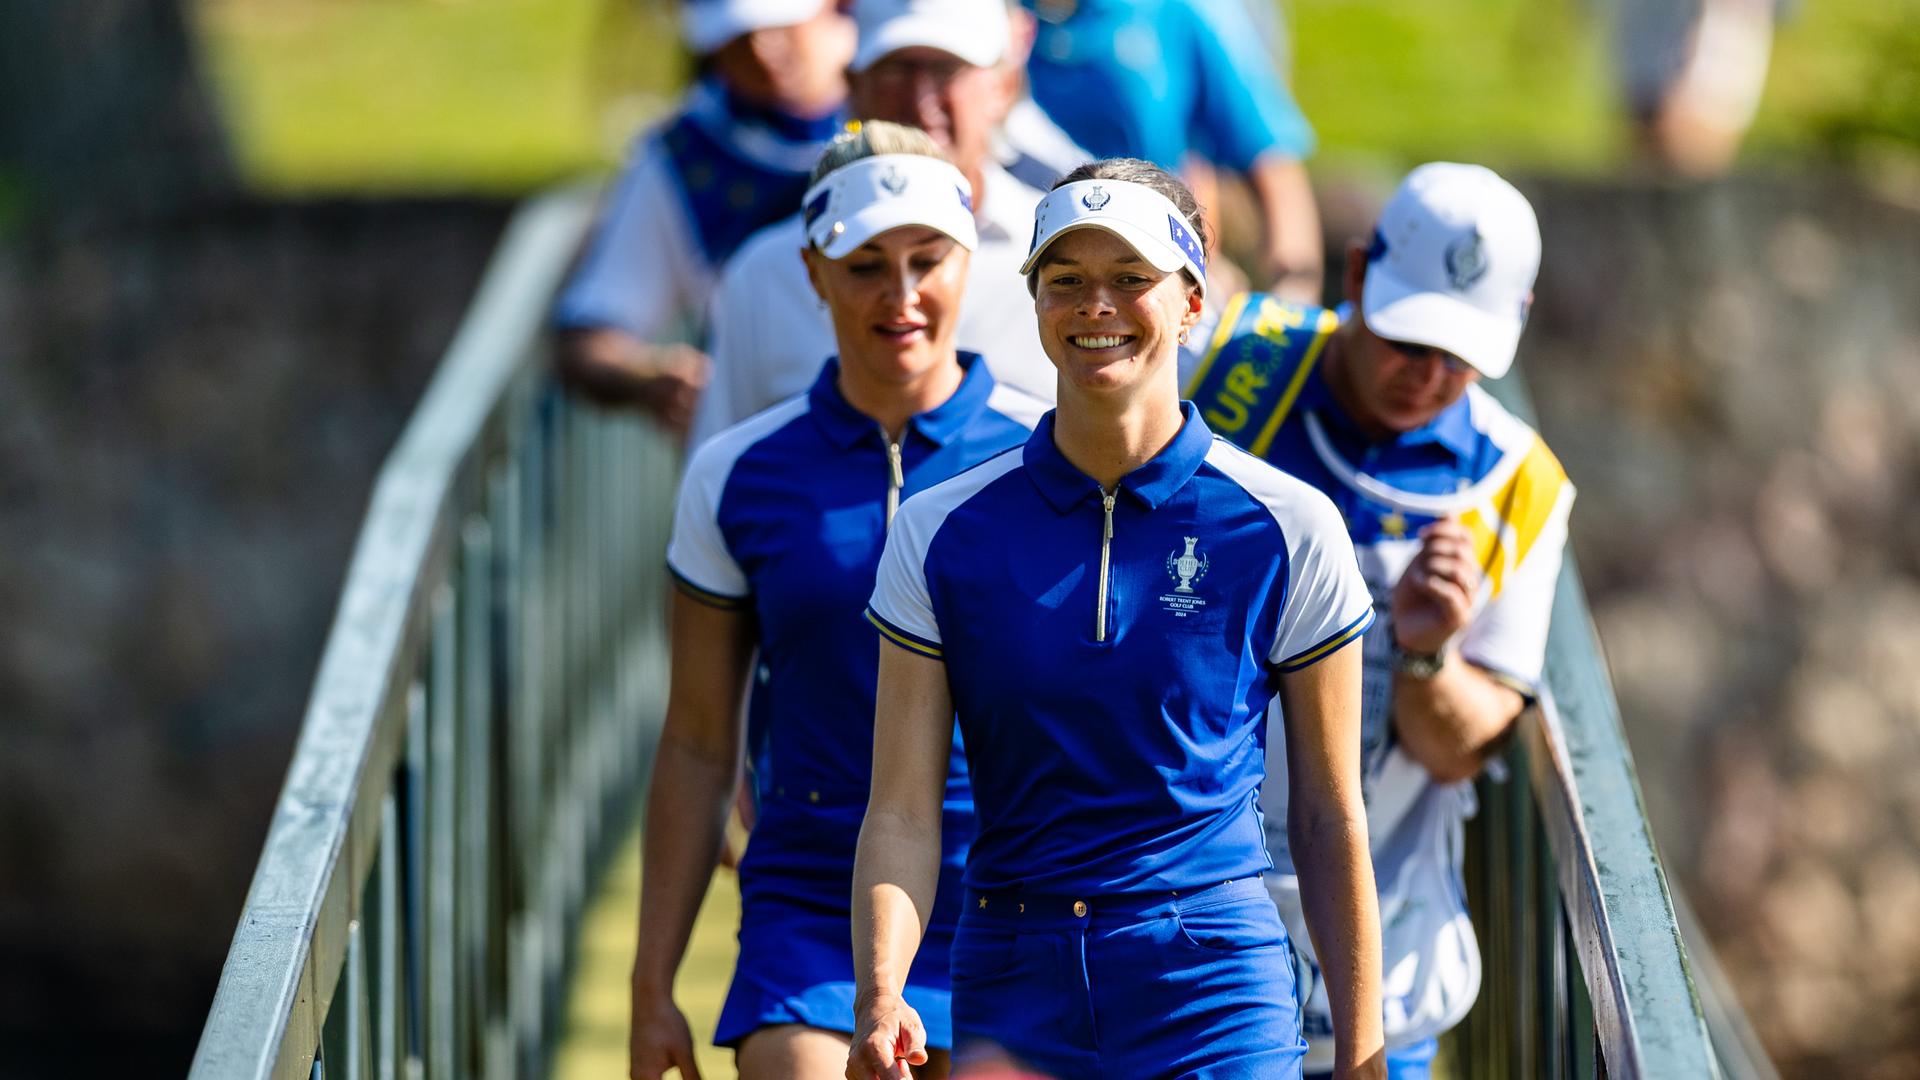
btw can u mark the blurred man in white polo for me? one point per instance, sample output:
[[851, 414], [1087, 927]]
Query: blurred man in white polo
[[731, 158], [1458, 513], [933, 64]]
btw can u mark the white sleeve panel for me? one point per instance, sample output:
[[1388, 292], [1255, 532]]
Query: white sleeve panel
[[1326, 602], [902, 605], [1509, 635], [697, 553]]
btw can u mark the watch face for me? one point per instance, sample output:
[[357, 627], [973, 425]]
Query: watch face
[[1418, 665]]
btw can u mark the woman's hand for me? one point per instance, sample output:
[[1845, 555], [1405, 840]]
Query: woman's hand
[[659, 1039], [888, 1036]]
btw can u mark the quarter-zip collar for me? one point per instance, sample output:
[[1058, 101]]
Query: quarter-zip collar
[[844, 425], [1152, 484]]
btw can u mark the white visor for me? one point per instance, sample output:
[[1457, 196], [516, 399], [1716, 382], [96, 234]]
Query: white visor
[[706, 25], [976, 31], [1148, 221], [864, 198]]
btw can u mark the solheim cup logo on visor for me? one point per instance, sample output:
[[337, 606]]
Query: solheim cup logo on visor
[[1187, 567], [893, 180], [1095, 198], [1466, 261]]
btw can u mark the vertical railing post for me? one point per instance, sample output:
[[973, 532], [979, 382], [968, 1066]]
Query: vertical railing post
[[443, 805]]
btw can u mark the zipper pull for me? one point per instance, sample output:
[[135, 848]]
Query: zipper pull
[[1106, 547], [896, 479]]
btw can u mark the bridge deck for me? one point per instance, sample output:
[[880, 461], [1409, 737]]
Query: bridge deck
[[593, 1037]]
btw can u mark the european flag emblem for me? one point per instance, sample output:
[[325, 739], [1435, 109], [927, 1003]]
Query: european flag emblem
[[1184, 239], [815, 208], [1376, 249]]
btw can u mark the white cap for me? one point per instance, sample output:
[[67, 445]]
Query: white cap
[[864, 198], [976, 31], [706, 25], [1452, 265], [1148, 221]]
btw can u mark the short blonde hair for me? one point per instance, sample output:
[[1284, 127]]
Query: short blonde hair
[[871, 138]]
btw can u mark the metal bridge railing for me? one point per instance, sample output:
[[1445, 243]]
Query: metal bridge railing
[[478, 730], [1587, 972]]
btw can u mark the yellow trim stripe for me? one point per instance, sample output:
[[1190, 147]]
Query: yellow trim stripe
[[1518, 512], [1527, 500], [1330, 646], [1222, 333], [1486, 548], [900, 638], [707, 596], [1322, 331]]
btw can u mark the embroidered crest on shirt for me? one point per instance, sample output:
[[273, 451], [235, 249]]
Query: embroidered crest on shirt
[[1185, 567]]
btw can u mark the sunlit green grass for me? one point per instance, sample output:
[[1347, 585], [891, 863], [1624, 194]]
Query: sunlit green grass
[[1504, 82], [503, 95], [498, 95]]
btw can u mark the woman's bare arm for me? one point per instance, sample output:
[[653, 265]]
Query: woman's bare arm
[[897, 867], [1327, 832], [694, 775]]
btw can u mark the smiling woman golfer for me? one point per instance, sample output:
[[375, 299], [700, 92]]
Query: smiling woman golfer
[[779, 526], [1111, 610]]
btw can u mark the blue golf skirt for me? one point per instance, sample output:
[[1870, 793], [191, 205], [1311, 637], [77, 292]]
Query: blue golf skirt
[[796, 942], [1183, 985]]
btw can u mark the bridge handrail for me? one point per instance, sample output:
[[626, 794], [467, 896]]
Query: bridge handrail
[[291, 946], [1647, 1013], [1571, 867]]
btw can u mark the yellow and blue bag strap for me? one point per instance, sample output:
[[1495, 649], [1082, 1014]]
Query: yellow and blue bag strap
[[1259, 358]]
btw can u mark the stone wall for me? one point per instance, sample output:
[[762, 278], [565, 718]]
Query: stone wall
[[191, 416], [1732, 376]]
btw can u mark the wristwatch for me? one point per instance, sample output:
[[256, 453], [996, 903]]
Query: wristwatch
[[1418, 665]]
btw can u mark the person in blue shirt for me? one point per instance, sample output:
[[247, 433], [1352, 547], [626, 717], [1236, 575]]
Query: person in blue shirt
[[778, 528], [1114, 611], [731, 158], [1458, 512], [1179, 83]]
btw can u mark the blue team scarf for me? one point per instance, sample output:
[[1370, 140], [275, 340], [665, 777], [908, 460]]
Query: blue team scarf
[[741, 167], [1255, 366]]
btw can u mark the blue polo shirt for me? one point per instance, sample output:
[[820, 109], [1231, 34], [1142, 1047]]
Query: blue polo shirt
[[1156, 79], [1112, 674], [785, 515]]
